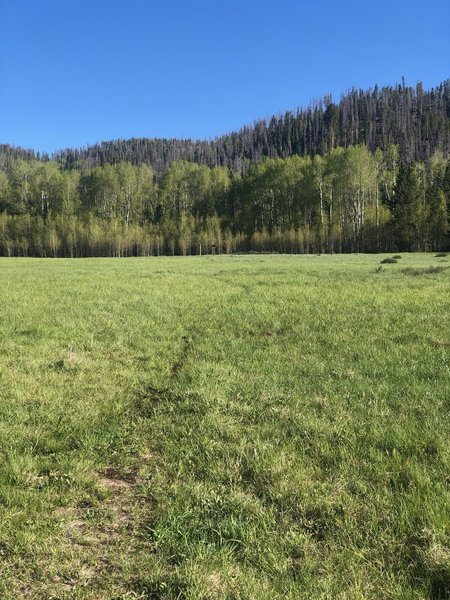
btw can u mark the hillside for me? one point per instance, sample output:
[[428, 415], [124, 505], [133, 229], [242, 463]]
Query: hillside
[[417, 120]]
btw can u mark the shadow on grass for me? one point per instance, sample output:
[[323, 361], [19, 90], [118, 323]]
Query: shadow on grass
[[423, 271]]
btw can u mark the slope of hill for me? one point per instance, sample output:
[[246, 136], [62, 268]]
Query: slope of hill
[[417, 120]]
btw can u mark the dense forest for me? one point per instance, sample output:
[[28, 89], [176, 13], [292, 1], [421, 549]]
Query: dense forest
[[368, 174]]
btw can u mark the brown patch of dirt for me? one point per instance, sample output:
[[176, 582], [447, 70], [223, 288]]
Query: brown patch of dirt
[[89, 546], [111, 479]]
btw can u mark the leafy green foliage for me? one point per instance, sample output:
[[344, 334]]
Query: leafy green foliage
[[349, 200]]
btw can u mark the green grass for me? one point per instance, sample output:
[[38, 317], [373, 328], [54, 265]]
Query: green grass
[[224, 427]]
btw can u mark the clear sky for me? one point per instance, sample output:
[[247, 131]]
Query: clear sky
[[76, 72]]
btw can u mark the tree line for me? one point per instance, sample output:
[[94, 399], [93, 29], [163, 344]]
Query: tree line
[[414, 119], [348, 200]]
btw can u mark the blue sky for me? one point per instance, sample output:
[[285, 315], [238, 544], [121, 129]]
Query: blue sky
[[76, 72]]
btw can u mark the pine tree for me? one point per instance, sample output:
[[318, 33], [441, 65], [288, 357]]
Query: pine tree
[[439, 224], [407, 208]]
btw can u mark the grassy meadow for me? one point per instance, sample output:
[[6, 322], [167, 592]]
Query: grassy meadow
[[229, 427]]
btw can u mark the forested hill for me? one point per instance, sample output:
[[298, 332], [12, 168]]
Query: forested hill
[[417, 120], [369, 174]]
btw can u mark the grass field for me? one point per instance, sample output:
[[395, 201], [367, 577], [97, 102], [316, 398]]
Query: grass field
[[252, 427]]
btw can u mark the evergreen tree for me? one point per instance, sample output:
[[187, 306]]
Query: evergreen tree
[[407, 208]]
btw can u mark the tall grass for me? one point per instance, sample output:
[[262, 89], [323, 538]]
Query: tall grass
[[224, 427]]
